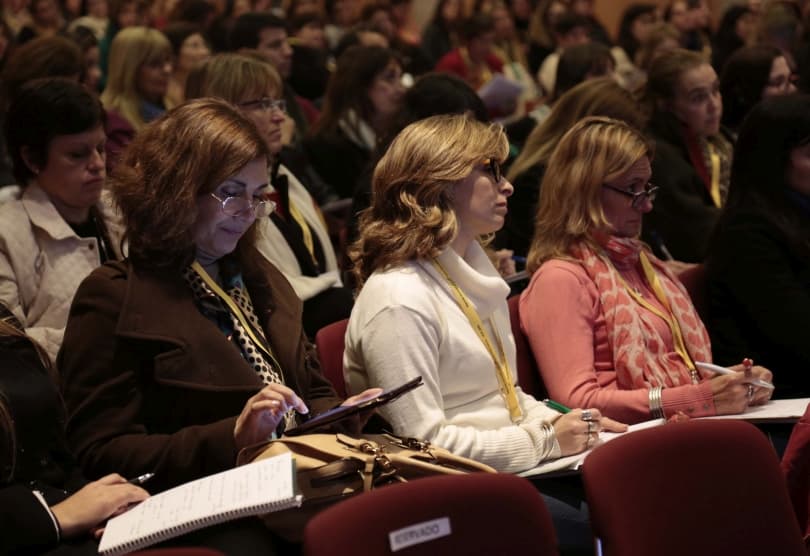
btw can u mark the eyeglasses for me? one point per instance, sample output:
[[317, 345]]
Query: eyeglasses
[[236, 205], [650, 191], [265, 104], [783, 81], [493, 167]]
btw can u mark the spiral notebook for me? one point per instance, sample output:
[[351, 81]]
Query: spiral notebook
[[256, 488]]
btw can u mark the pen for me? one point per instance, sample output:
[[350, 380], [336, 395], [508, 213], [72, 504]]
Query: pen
[[141, 479], [556, 406], [724, 371]]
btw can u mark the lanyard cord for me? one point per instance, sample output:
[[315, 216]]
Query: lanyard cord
[[669, 317], [502, 371], [305, 229], [260, 344], [714, 159]]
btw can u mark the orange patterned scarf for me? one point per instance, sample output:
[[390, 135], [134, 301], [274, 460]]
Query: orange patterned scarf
[[641, 357]]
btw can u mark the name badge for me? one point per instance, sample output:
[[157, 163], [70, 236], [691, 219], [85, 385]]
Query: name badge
[[419, 533]]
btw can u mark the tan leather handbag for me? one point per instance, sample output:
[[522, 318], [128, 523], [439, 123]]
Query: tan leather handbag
[[331, 467]]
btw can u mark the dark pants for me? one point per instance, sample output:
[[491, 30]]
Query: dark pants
[[565, 500]]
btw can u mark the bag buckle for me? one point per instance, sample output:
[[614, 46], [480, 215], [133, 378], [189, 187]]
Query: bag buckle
[[410, 443]]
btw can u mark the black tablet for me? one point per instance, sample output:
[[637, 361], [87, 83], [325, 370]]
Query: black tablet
[[343, 411]]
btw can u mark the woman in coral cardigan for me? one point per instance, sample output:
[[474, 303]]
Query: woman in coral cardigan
[[610, 326]]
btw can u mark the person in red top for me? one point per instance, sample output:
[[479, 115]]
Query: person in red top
[[474, 61], [609, 324]]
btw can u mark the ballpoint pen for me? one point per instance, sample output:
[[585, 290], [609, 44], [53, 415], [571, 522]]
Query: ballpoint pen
[[556, 406], [140, 479], [724, 371]]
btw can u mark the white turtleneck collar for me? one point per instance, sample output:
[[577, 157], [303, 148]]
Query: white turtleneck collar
[[475, 275]]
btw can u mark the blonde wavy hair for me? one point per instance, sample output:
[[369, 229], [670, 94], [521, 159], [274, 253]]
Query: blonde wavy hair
[[131, 48], [594, 151], [596, 97], [411, 215], [233, 77]]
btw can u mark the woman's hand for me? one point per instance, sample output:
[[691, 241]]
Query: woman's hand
[[94, 503], [263, 413], [760, 395], [730, 393], [363, 396], [360, 420], [503, 261], [575, 435]]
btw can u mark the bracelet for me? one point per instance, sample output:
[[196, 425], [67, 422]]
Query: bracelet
[[553, 451], [656, 404]]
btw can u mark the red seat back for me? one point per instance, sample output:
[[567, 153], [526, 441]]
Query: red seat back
[[480, 513], [698, 488], [329, 342], [528, 374], [796, 466]]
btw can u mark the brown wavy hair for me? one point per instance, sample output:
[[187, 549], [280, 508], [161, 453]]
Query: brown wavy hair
[[411, 214], [596, 150], [185, 153], [233, 77]]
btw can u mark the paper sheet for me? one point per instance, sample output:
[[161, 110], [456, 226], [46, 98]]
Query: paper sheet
[[574, 462], [234, 492], [775, 411]]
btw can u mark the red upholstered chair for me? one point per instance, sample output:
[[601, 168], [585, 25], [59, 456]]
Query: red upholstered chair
[[694, 280], [696, 488], [528, 374], [446, 515], [796, 466], [329, 343]]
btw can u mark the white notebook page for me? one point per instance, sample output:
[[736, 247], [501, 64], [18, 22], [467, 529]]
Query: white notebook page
[[239, 491]]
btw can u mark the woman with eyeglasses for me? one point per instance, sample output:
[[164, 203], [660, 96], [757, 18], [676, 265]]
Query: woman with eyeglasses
[[610, 326], [432, 304], [751, 74], [192, 348], [294, 238]]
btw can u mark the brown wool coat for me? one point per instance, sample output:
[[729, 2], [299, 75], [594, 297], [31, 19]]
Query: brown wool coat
[[152, 385]]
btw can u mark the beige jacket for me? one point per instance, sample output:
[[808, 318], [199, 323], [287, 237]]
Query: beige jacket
[[43, 261], [270, 242]]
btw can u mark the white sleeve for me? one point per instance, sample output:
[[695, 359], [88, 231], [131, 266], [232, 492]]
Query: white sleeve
[[38, 495], [398, 344]]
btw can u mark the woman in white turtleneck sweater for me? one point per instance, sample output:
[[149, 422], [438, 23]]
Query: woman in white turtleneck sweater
[[418, 259]]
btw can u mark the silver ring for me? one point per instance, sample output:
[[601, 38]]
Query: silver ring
[[590, 427], [586, 415], [750, 392]]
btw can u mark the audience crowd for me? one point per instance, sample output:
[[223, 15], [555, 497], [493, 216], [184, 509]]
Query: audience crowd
[[191, 190]]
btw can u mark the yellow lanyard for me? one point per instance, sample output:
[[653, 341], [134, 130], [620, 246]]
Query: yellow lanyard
[[305, 229], [714, 158], [669, 316], [502, 370], [260, 344]]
